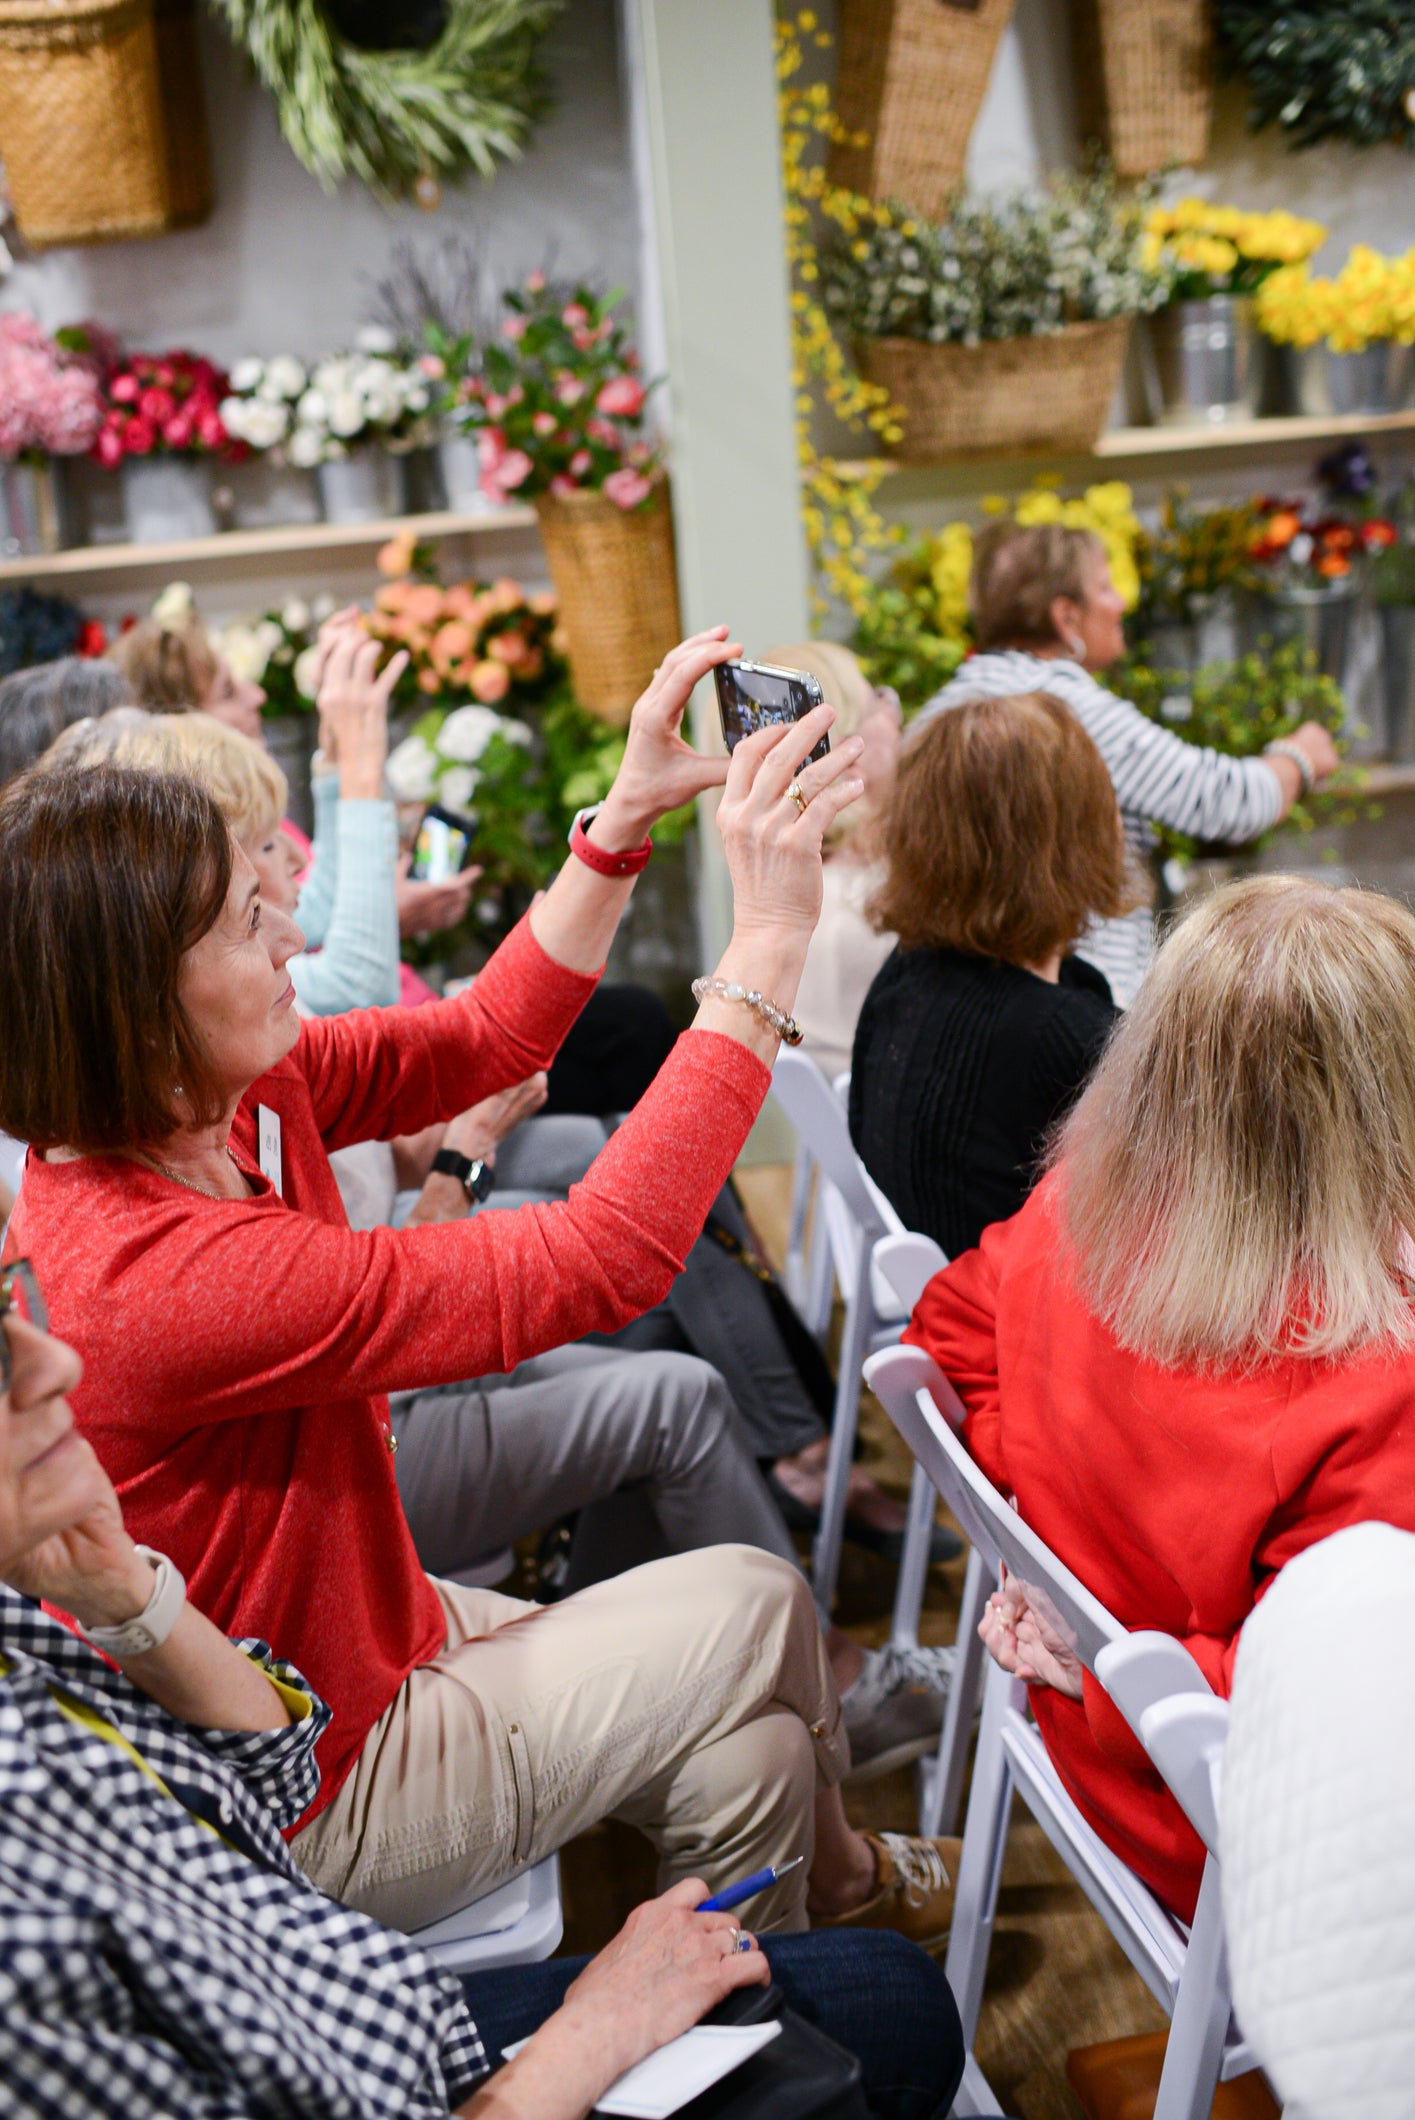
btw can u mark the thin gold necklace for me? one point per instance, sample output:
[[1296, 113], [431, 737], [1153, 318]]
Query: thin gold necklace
[[165, 1170]]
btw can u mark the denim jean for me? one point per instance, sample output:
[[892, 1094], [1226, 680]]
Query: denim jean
[[874, 1993]]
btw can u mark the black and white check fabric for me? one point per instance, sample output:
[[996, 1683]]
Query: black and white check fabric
[[148, 1969], [1158, 779]]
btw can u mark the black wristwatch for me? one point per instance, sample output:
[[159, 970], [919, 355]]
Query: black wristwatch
[[475, 1178]]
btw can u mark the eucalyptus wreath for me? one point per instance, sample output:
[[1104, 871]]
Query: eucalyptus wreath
[[1325, 70], [398, 118]]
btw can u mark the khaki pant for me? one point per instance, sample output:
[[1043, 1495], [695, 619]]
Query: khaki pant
[[690, 1698]]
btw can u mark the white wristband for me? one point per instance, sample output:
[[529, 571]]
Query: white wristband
[[1283, 747], [155, 1622]]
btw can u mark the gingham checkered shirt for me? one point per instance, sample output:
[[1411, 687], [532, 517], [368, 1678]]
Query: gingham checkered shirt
[[147, 1968]]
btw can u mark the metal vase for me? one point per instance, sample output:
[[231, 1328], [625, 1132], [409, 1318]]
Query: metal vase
[[1321, 619], [1326, 385], [167, 499], [460, 455], [362, 487], [265, 493], [1398, 680], [33, 514], [1202, 370]]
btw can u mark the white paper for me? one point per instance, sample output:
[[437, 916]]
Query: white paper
[[656, 2087]]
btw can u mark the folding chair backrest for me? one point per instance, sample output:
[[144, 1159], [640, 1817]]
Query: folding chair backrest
[[818, 1116], [907, 1263], [929, 1415]]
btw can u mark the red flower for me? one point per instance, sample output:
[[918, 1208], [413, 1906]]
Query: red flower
[[180, 431], [622, 396], [125, 390], [1378, 534], [139, 437], [157, 405], [92, 641]]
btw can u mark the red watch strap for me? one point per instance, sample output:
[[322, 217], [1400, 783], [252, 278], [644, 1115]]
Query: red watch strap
[[604, 863]]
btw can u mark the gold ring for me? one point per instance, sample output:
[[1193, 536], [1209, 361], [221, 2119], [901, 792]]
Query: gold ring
[[801, 800]]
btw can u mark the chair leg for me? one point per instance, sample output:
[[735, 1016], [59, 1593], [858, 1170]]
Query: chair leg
[[914, 1561], [938, 1808], [980, 1869], [794, 1271], [820, 1268], [1202, 2009], [854, 1345]]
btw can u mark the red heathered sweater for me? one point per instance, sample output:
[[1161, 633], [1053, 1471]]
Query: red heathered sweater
[[237, 1353], [1175, 1497]]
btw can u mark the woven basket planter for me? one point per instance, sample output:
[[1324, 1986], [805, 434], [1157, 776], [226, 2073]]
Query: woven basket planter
[[911, 78], [87, 147], [617, 582], [1014, 395], [1145, 74]]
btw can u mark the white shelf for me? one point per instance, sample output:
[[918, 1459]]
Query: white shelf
[[200, 555]]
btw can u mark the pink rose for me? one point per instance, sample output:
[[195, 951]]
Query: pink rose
[[515, 394], [535, 282], [544, 423], [125, 390], [109, 448], [600, 431], [433, 366], [492, 446], [497, 406], [139, 437], [513, 470], [573, 315], [490, 683], [561, 485], [212, 431], [621, 396], [581, 338], [514, 327], [580, 462], [568, 389], [627, 488], [179, 431], [157, 406]]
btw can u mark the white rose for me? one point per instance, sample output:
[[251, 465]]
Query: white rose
[[295, 616], [313, 407], [515, 732], [381, 408], [323, 607], [264, 425], [415, 396], [233, 416], [244, 651], [466, 733], [284, 377], [306, 448], [269, 637], [346, 414], [411, 771], [457, 786], [375, 338], [304, 672], [174, 606], [333, 374], [247, 374]]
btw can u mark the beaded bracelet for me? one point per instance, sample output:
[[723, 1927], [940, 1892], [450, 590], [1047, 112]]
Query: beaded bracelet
[[787, 1029], [1280, 747]]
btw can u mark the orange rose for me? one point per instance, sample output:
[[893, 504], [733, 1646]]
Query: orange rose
[[490, 683], [429, 681], [423, 603], [1331, 564], [509, 648], [451, 643], [1282, 528], [396, 556]]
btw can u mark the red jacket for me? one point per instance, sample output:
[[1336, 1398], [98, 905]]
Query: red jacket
[[1175, 1497], [237, 1353]]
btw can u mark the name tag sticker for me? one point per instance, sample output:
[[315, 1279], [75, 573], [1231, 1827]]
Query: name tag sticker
[[268, 1124]]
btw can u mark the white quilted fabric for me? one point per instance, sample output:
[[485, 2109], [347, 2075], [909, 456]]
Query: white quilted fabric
[[1318, 1829]]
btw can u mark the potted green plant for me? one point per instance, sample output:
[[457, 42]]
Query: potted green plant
[[1002, 327], [1189, 563]]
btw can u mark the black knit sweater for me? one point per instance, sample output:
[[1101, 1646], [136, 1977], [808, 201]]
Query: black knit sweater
[[960, 1066]]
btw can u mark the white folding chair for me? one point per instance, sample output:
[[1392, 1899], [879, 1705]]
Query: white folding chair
[[1164, 1697], [519, 1923], [851, 1216]]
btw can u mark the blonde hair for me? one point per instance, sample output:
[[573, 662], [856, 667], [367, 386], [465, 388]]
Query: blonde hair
[[1238, 1180], [170, 668], [243, 780], [837, 671], [1019, 570]]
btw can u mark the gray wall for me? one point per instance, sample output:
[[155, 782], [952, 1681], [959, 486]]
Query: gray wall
[[282, 265]]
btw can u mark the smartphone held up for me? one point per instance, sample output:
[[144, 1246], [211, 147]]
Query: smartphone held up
[[752, 696]]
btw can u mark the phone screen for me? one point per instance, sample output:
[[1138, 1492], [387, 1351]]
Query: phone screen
[[440, 850], [753, 696]]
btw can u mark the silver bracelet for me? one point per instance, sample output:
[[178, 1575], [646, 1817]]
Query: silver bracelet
[[787, 1029], [1283, 747], [151, 1627]]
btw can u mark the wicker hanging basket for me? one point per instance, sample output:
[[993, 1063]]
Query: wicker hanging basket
[[615, 576], [86, 145], [911, 79], [1051, 392], [1145, 75]]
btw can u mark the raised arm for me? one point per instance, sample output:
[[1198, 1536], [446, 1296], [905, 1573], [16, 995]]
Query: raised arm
[[1194, 789]]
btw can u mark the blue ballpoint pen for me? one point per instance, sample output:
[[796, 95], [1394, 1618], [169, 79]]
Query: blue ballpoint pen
[[732, 1895]]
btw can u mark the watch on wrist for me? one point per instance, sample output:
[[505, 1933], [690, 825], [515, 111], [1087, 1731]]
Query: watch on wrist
[[474, 1176], [150, 1629], [600, 859]]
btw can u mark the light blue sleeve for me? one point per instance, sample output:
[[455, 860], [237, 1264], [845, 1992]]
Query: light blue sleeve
[[358, 965], [315, 908]]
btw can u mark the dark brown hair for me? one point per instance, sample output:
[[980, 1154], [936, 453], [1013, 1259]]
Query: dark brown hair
[[1003, 834], [170, 668], [107, 876], [1019, 570]]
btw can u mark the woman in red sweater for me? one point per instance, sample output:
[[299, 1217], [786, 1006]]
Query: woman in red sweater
[[1192, 1353], [241, 1339]]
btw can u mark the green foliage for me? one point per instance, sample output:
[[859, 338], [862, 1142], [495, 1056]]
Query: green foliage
[[1239, 708], [897, 638], [999, 267], [1335, 71], [1189, 558], [391, 117]]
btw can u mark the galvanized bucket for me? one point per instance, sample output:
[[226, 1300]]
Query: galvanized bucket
[[1202, 370]]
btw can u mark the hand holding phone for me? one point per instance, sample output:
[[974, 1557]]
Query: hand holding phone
[[752, 696], [443, 845]]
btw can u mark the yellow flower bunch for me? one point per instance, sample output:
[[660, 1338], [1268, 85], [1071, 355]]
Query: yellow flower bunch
[[1106, 509], [1232, 250], [1372, 298], [950, 567]]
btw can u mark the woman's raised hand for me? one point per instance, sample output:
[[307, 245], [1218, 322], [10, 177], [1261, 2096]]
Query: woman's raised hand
[[352, 696], [660, 769], [773, 843]]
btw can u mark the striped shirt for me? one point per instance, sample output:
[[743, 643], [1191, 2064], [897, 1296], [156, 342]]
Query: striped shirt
[[1158, 779], [150, 1968]]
